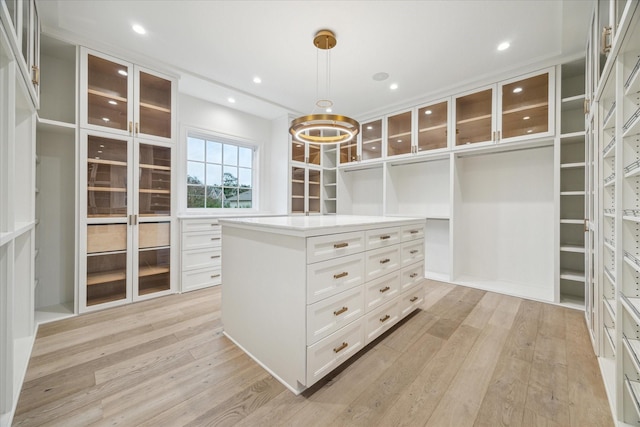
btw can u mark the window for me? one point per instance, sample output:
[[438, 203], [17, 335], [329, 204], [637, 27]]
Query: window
[[219, 174]]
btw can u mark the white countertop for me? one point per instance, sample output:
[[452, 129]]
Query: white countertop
[[317, 224]]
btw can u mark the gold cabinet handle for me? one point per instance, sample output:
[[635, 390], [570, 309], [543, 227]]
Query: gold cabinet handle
[[213, 276], [137, 128], [215, 256], [414, 299], [340, 245], [339, 312], [413, 275], [385, 289], [414, 231], [415, 251], [586, 106], [385, 318], [340, 347], [215, 238], [385, 237], [130, 127], [36, 75], [586, 225], [384, 261], [339, 275]]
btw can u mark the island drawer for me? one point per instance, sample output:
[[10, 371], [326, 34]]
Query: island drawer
[[412, 252], [381, 290], [331, 314], [383, 237], [327, 278], [381, 319], [322, 248], [382, 261]]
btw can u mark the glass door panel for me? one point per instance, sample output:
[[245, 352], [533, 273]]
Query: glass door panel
[[12, 7], [432, 126], [399, 134], [155, 181], [314, 191], [26, 28], [314, 154], [349, 152], [106, 263], [106, 177], [154, 106], [525, 107], [297, 151], [108, 85], [372, 140], [298, 184], [474, 117], [34, 63], [154, 261]]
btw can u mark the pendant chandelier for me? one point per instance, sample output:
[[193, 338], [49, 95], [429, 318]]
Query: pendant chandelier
[[324, 128]]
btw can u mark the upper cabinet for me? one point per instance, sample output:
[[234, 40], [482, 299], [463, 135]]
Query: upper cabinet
[[474, 118], [399, 139], [433, 120], [23, 27], [126, 99], [371, 137], [305, 153]]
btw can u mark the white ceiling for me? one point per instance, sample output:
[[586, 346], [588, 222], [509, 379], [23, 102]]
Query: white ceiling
[[217, 47]]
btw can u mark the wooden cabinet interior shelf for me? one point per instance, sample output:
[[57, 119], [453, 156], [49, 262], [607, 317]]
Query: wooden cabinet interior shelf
[[108, 189], [105, 94], [106, 277], [106, 162], [154, 190], [156, 167], [155, 107]]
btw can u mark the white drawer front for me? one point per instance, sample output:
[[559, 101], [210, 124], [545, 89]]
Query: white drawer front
[[322, 248], [327, 354], [331, 314], [382, 237], [412, 275], [201, 258], [197, 279], [381, 290], [412, 252], [411, 299], [335, 275], [199, 225], [209, 239], [382, 261], [412, 232], [381, 319]]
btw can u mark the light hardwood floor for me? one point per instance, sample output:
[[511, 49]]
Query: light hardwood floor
[[467, 358]]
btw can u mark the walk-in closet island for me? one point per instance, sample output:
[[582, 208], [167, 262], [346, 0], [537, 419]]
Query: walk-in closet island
[[302, 294]]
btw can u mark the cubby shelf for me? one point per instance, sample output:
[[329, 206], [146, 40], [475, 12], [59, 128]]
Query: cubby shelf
[[632, 84]]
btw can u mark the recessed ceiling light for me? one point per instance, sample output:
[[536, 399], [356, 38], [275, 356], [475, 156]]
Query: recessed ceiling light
[[428, 112], [504, 46], [393, 86], [328, 110], [231, 100], [517, 90], [257, 80], [380, 76], [112, 102], [139, 29], [369, 127], [526, 118], [122, 72]]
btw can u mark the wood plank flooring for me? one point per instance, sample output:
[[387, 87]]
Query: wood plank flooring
[[467, 358]]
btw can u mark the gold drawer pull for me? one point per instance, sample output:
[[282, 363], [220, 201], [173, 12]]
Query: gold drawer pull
[[385, 289], [215, 256], [385, 318], [414, 231], [339, 312], [213, 276], [385, 237], [339, 275], [340, 245], [340, 347], [215, 238], [414, 299], [413, 275], [384, 261], [214, 224], [415, 251]]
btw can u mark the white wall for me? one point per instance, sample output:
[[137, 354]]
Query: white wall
[[195, 113]]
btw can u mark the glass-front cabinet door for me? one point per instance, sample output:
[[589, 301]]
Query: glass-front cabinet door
[[305, 152], [474, 117], [107, 177], [371, 140], [399, 134], [432, 126], [525, 107], [298, 190], [154, 106], [305, 190], [349, 152]]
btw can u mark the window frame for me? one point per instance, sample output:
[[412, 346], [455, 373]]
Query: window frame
[[222, 139]]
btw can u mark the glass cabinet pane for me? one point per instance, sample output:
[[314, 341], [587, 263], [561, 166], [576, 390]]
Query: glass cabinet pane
[[314, 191], [106, 263], [432, 126], [155, 105], [12, 7], [372, 140], [297, 190], [107, 102], [349, 152], [154, 262], [399, 134], [525, 107], [155, 180], [297, 151], [314, 154], [26, 28], [473, 117], [106, 177]]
